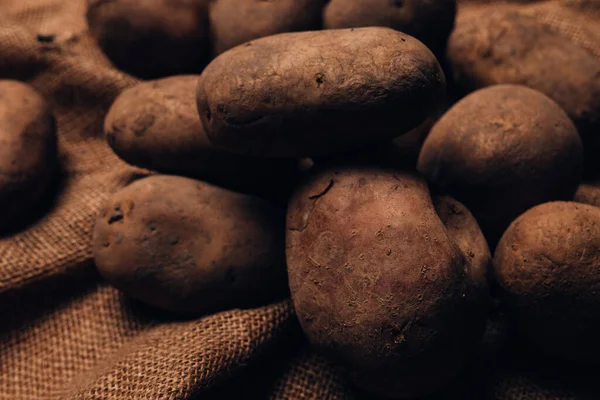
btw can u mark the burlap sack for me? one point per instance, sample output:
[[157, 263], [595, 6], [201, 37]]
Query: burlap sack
[[64, 334]]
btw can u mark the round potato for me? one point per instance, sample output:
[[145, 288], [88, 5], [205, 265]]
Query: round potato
[[152, 38], [386, 280], [588, 193], [233, 22], [155, 125], [494, 45], [190, 247], [430, 21], [502, 150], [316, 93], [546, 269], [28, 154]]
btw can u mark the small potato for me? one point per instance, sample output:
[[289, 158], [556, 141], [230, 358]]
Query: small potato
[[155, 125], [508, 44], [152, 38], [385, 279], [588, 193], [190, 247], [28, 150], [317, 93], [430, 21], [502, 150], [546, 269], [234, 22]]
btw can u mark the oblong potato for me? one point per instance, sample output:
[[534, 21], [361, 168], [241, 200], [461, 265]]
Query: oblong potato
[[152, 38], [187, 246], [155, 125], [502, 150], [233, 22], [546, 269], [315, 93], [383, 280], [508, 44], [28, 150], [430, 21]]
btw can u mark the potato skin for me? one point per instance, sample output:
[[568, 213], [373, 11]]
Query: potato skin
[[588, 193], [430, 21], [152, 38], [190, 247], [493, 45], [233, 22], [546, 269], [316, 93], [155, 125], [381, 284], [28, 154], [502, 150]]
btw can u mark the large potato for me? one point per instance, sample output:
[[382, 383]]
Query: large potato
[[28, 150], [190, 247], [152, 38], [508, 44], [233, 22], [314, 93], [155, 125], [386, 280], [430, 21], [546, 268], [502, 150]]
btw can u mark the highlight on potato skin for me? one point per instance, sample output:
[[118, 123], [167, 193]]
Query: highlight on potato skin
[[190, 247], [546, 272], [28, 151], [502, 150], [385, 279], [316, 93]]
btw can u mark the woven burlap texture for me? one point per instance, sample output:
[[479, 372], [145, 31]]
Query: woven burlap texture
[[64, 334]]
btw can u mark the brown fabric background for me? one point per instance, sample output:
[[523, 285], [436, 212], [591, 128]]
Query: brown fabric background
[[64, 334]]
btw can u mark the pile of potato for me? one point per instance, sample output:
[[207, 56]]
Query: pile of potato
[[389, 259]]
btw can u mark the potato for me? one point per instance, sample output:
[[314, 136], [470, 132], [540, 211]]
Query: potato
[[546, 268], [28, 154], [316, 93], [507, 44], [190, 247], [152, 38], [430, 21], [386, 280], [502, 150], [155, 125], [233, 22], [588, 193]]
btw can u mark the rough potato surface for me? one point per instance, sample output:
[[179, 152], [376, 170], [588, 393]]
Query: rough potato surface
[[190, 247], [234, 22], [155, 125], [494, 45], [152, 38], [315, 93], [383, 281], [546, 268], [502, 150], [430, 21], [28, 150]]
